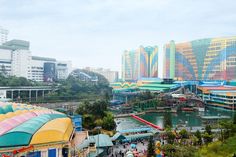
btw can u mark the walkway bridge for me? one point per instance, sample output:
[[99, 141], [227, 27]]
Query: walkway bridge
[[15, 92]]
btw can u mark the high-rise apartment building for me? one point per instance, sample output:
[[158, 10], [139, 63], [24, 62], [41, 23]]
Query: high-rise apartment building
[[16, 60], [140, 63], [203, 59], [3, 35], [20, 57]]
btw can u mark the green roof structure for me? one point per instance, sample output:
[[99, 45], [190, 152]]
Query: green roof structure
[[5, 109], [102, 140], [138, 136], [117, 137]]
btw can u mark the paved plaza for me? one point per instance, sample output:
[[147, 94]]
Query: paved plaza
[[120, 150]]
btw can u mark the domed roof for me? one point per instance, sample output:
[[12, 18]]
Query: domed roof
[[23, 125]]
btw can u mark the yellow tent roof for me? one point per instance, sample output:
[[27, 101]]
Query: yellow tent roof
[[57, 130], [2, 117], [12, 114]]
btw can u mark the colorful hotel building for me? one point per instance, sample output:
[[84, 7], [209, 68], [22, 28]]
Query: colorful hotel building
[[203, 59], [140, 63]]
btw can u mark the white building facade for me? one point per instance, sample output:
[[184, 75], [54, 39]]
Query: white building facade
[[21, 61], [38, 68], [16, 60], [64, 68]]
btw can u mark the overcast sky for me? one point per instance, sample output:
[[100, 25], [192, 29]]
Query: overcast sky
[[96, 32]]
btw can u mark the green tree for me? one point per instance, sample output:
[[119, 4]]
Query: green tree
[[88, 121], [208, 129], [227, 129], [99, 122], [185, 151], [97, 108], [218, 149], [3, 80], [77, 87], [199, 137], [194, 140], [234, 119], [183, 133], [18, 81], [151, 148], [167, 120], [169, 150], [100, 107], [15, 81], [96, 114], [107, 96], [207, 138], [179, 151], [170, 136], [3, 70], [108, 121]]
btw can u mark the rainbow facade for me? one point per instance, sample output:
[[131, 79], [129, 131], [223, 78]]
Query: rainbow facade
[[140, 63], [204, 59], [118, 85]]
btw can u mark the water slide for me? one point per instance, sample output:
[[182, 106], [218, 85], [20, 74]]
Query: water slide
[[146, 122]]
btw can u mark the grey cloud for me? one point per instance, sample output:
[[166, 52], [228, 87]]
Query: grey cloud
[[82, 29]]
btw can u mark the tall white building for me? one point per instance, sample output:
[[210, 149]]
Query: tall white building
[[16, 60], [20, 57], [3, 35], [21, 61]]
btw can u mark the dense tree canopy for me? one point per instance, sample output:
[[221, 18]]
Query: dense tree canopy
[[219, 149], [96, 114], [77, 88], [198, 135], [167, 120], [16, 81], [179, 151], [183, 133], [74, 88], [151, 147]]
